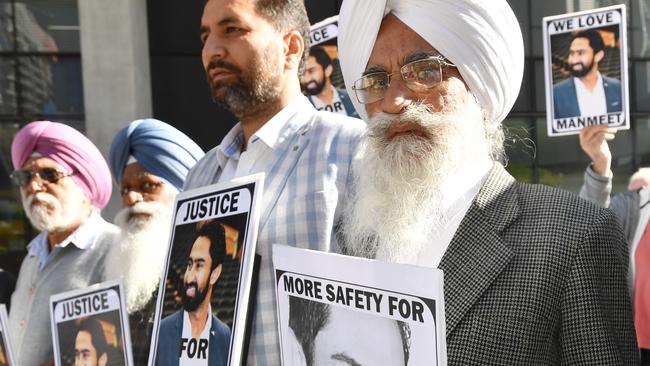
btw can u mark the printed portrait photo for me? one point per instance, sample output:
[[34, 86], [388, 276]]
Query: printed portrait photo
[[92, 341], [201, 292], [586, 67]]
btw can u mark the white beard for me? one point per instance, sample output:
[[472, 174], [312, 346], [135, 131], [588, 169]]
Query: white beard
[[48, 213], [398, 203], [139, 256]]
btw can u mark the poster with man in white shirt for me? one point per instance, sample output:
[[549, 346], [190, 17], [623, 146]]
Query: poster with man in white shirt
[[585, 58]]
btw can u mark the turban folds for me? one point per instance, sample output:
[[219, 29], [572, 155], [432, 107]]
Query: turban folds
[[481, 37], [71, 150], [161, 149]]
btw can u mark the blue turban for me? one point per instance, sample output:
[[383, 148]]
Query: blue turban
[[161, 149]]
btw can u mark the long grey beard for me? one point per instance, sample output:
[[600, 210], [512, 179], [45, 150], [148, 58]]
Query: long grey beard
[[139, 256], [397, 207]]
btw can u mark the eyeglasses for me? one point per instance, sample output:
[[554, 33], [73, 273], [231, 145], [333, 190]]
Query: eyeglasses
[[51, 175], [418, 76]]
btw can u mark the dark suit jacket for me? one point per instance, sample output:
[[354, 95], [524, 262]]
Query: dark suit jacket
[[537, 276], [169, 341], [565, 98]]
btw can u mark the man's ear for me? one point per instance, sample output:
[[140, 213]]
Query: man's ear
[[294, 48], [329, 70], [101, 361], [599, 56], [214, 275]]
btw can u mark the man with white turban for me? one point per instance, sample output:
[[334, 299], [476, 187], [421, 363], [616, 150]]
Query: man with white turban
[[149, 160], [533, 275], [64, 181]]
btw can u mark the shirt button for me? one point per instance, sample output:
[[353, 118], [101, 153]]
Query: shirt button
[[31, 290], [22, 323]]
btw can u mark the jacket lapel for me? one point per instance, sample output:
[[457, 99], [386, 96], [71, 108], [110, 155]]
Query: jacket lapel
[[287, 155], [477, 254]]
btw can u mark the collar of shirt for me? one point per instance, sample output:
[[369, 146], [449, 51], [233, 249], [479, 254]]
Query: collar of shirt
[[187, 325], [466, 184], [83, 238], [273, 132], [583, 88]]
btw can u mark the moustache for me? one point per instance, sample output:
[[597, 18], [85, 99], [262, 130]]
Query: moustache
[[40, 197], [222, 65], [190, 285]]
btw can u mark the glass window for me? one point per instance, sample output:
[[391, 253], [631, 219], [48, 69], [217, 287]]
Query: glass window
[[7, 86], [6, 26], [640, 84], [51, 85], [47, 25]]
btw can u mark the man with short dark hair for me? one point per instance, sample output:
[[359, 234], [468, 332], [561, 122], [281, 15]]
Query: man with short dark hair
[[90, 347], [195, 323], [318, 86], [587, 92], [533, 275], [253, 52], [333, 334]]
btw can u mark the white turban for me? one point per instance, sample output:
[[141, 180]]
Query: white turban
[[481, 37]]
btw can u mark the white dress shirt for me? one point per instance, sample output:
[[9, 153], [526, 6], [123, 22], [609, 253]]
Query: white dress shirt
[[591, 103]]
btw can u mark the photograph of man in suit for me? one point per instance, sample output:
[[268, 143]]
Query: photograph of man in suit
[[587, 92], [193, 335], [534, 275], [317, 84], [334, 335], [90, 346]]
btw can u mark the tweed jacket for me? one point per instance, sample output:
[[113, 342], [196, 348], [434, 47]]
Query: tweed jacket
[[303, 189], [537, 276]]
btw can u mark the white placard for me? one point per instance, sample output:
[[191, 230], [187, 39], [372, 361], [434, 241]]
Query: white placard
[[333, 307], [91, 324], [586, 85], [208, 275]]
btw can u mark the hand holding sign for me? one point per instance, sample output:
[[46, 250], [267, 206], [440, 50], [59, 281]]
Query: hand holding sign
[[593, 141]]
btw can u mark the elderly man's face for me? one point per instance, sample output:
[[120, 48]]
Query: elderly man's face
[[139, 185], [52, 206], [396, 45]]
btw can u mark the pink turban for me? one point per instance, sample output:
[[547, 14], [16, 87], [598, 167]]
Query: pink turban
[[70, 149]]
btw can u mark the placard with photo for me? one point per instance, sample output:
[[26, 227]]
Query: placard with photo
[[337, 309], [6, 353], [585, 67], [91, 326], [205, 292]]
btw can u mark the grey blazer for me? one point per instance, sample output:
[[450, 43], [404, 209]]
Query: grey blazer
[[537, 276]]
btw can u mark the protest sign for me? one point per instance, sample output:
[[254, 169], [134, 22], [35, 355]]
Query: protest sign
[[203, 300], [91, 325], [6, 354], [585, 67], [335, 308], [322, 81]]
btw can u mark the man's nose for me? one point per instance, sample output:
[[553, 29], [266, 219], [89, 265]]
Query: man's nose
[[397, 96], [131, 197], [213, 48], [34, 185]]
